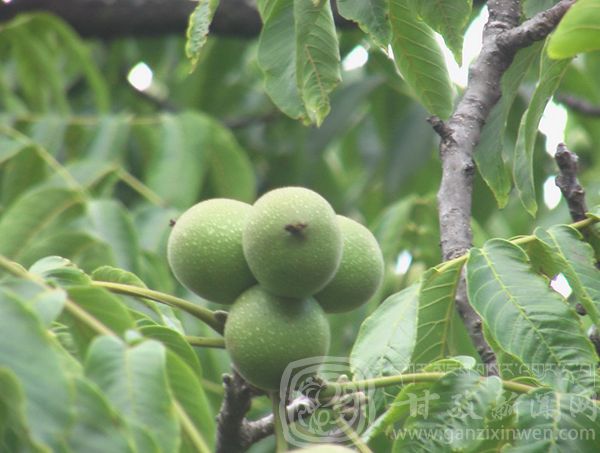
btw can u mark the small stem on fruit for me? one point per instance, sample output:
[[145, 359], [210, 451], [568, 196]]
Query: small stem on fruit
[[279, 418], [205, 342], [352, 435], [295, 228], [203, 314]]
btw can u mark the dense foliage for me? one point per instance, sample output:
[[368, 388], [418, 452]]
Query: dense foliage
[[103, 351]]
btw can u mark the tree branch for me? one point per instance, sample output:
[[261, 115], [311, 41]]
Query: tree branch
[[235, 433], [502, 37], [568, 183], [109, 18], [579, 105]]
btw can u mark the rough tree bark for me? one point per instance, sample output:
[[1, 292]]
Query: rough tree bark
[[502, 38]]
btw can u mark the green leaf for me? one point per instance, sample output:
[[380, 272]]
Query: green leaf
[[60, 271], [113, 224], [116, 275], [46, 302], [301, 72], [111, 134], [9, 147], [101, 305], [457, 403], [13, 421], [181, 159], [551, 72], [568, 423], [175, 342], [31, 216], [389, 227], [371, 16], [231, 172], [578, 31], [528, 319], [532, 7], [488, 153], [450, 19], [134, 380], [197, 30], [575, 258], [24, 171], [387, 337], [31, 355], [436, 313], [98, 428], [188, 392], [420, 61]]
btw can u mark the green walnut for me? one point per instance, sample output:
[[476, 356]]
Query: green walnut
[[360, 272], [264, 333], [292, 242], [205, 250]]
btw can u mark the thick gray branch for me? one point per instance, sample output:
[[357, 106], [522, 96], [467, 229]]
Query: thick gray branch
[[502, 37], [113, 18]]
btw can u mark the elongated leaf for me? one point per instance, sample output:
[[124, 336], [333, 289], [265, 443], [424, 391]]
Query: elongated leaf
[[14, 433], [134, 379], [419, 59], [109, 140], [173, 341], [568, 423], [27, 349], [488, 153], [386, 339], [9, 147], [231, 172], [60, 271], [317, 57], [104, 307], [575, 258], [532, 7], [299, 73], [46, 302], [180, 160], [114, 225], [455, 404], [388, 228], [98, 428], [116, 275], [435, 314], [449, 18], [528, 319], [31, 215], [578, 31], [551, 72], [24, 171], [188, 392], [371, 16], [197, 30]]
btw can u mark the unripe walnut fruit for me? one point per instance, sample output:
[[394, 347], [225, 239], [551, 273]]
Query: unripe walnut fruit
[[264, 333], [292, 242], [205, 250], [360, 272]]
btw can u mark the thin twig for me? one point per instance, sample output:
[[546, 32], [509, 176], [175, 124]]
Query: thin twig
[[578, 105], [568, 183]]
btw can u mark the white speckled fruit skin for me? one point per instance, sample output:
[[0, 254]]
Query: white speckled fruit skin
[[264, 333], [292, 264], [205, 250], [360, 272]]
